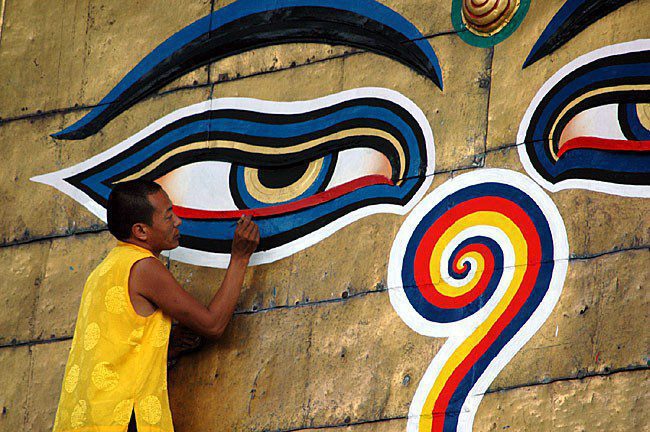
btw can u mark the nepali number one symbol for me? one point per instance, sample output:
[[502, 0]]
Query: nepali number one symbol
[[481, 261]]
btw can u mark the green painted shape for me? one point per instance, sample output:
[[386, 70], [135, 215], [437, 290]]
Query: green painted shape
[[486, 42]]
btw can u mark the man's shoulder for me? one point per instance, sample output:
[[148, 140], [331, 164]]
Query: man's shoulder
[[147, 275], [150, 263], [148, 268], [119, 260]]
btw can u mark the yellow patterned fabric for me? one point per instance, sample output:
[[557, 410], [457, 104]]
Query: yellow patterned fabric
[[118, 359]]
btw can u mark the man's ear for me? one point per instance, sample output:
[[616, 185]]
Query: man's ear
[[139, 231]]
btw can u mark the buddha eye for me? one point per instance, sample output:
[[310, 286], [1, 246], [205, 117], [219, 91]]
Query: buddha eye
[[211, 189], [302, 169], [589, 124]]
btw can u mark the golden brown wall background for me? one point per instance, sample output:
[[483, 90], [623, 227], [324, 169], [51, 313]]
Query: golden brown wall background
[[315, 342]]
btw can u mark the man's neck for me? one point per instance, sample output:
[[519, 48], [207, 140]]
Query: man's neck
[[143, 245]]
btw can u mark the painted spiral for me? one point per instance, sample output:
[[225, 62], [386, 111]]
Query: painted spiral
[[487, 17], [481, 260]]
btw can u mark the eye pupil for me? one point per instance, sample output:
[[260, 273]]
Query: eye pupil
[[278, 178]]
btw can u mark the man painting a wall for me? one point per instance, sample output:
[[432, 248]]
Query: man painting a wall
[[118, 361], [447, 194]]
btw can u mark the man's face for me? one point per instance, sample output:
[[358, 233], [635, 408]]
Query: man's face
[[163, 232]]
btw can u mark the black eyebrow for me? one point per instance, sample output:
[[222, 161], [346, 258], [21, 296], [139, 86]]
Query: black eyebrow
[[572, 18], [249, 24]]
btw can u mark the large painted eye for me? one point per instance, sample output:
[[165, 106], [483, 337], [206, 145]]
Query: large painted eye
[[589, 125], [302, 169]]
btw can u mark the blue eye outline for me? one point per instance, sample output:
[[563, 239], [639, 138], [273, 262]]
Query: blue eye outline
[[89, 181]]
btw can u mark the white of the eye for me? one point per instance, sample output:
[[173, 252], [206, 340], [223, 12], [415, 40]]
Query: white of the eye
[[359, 162], [600, 122], [200, 185]]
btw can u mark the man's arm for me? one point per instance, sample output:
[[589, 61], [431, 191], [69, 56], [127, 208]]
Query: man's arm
[[151, 279]]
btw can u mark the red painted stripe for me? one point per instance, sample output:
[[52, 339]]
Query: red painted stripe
[[596, 143], [422, 258], [519, 216], [329, 195], [463, 369], [427, 287]]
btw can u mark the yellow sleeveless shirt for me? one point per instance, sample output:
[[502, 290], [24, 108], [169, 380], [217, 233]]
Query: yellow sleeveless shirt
[[118, 359]]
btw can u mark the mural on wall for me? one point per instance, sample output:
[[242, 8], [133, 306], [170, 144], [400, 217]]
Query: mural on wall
[[486, 23], [483, 258], [303, 169], [481, 261], [248, 24], [589, 125]]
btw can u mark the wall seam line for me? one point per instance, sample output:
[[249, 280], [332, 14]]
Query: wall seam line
[[581, 375], [578, 377], [49, 237], [68, 110], [379, 288], [338, 425]]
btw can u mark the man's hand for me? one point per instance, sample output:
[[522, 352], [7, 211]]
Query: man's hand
[[150, 279], [247, 237], [182, 341]]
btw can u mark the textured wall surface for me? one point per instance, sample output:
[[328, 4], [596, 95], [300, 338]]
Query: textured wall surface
[[319, 340]]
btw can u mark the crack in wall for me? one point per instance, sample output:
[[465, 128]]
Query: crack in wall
[[209, 66], [30, 380], [490, 63], [579, 376]]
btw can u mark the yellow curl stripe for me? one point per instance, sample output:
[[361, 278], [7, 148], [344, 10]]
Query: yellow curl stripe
[[479, 218], [520, 247]]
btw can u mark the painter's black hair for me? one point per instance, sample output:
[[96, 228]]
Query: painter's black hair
[[129, 204]]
